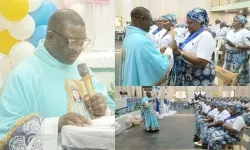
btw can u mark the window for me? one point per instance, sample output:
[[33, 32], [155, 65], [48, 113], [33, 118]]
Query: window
[[181, 94], [225, 93], [232, 93], [228, 93], [118, 21]]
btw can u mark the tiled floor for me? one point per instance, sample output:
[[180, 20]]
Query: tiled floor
[[176, 132]]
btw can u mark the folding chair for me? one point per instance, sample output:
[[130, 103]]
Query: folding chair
[[231, 146], [225, 77]]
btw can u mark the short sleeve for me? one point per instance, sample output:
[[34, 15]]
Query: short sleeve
[[205, 47], [246, 37], [238, 124]]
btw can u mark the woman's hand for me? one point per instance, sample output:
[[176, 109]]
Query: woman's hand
[[220, 123], [173, 45], [163, 49]]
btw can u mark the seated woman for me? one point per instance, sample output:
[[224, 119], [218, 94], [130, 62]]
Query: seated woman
[[148, 114], [193, 63], [231, 131], [215, 125], [202, 114], [209, 118], [246, 116]]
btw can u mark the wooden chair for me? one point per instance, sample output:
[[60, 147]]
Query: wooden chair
[[225, 77], [231, 146]]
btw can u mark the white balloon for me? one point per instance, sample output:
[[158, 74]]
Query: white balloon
[[3, 23], [34, 4], [78, 8], [19, 52], [22, 29]]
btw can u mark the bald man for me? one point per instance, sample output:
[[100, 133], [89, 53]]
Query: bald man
[[34, 101], [144, 64]]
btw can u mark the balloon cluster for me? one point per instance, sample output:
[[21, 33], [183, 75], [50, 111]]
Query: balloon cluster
[[133, 120], [22, 24], [77, 7], [117, 127]]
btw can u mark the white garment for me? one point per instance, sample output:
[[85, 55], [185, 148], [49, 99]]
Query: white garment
[[207, 109], [215, 28], [221, 116], [157, 38], [202, 46], [47, 136], [182, 30], [204, 106], [152, 29], [201, 103], [100, 135], [236, 123], [222, 32], [161, 40], [164, 41], [247, 105], [179, 35], [213, 113], [238, 38]]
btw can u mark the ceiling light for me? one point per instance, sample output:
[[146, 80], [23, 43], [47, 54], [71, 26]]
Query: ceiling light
[[241, 11], [226, 11]]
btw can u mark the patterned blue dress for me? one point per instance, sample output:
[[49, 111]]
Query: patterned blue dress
[[217, 139], [238, 62], [148, 115], [184, 74], [246, 118]]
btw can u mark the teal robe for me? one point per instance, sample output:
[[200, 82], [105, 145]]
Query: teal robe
[[37, 85], [150, 120], [144, 64]]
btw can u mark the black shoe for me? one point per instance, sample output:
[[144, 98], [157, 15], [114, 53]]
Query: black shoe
[[196, 138]]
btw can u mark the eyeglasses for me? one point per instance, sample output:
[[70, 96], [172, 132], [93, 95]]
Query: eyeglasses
[[73, 44]]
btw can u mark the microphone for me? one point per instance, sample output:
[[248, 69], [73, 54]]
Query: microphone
[[86, 78]]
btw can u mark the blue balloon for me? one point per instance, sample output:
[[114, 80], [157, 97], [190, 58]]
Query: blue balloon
[[42, 14], [40, 33]]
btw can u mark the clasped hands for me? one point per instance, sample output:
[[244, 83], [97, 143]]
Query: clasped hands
[[173, 46], [97, 104]]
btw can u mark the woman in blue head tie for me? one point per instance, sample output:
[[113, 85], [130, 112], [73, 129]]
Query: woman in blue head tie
[[216, 125], [236, 50], [169, 21], [193, 63], [232, 126], [156, 31], [148, 114]]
